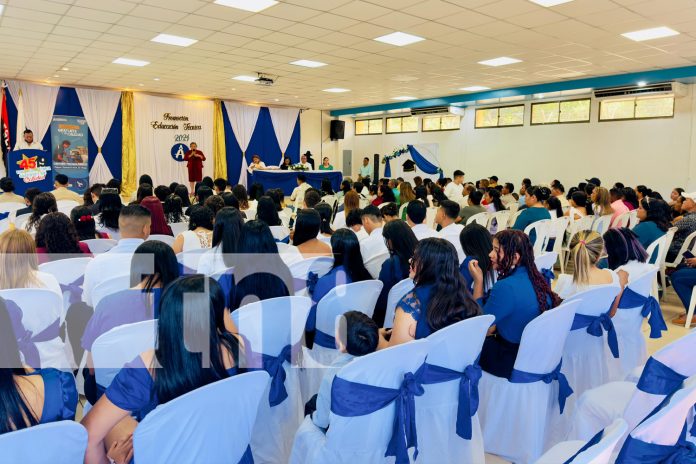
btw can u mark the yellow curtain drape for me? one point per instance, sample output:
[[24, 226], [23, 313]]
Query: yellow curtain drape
[[219, 149], [128, 145]]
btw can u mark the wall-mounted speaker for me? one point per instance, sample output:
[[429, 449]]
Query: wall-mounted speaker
[[338, 128]]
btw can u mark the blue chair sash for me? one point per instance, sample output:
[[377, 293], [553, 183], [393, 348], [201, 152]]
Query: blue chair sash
[[351, 399], [468, 392], [650, 309], [564, 390], [26, 340], [284, 240], [324, 339], [594, 325], [636, 451], [274, 366], [548, 275], [312, 279], [593, 441], [247, 457], [75, 289], [659, 379]]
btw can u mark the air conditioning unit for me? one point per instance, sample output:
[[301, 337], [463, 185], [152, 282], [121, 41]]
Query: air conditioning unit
[[430, 110], [672, 88]]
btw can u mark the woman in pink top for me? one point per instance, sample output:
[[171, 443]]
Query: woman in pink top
[[617, 205]]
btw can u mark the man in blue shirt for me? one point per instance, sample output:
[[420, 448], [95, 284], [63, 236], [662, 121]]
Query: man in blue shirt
[[365, 170]]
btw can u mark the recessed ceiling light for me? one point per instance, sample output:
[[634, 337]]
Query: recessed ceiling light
[[56, 75], [130, 62], [642, 83], [173, 40], [276, 99], [399, 39], [245, 78], [248, 5], [336, 90], [64, 69], [403, 98], [156, 79], [650, 34], [548, 3], [308, 63], [141, 84], [2, 7], [475, 88], [502, 61]]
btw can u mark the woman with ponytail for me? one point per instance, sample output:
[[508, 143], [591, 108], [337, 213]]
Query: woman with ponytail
[[439, 299], [520, 294]]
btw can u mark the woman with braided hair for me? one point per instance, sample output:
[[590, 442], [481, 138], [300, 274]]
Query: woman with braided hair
[[520, 294]]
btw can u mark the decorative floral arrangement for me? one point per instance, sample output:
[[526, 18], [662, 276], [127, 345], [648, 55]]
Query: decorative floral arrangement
[[297, 167], [395, 154]]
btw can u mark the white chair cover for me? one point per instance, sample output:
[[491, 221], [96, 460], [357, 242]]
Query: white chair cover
[[545, 262], [456, 347], [373, 264], [190, 259], [358, 296], [598, 452], [584, 357], [120, 345], [100, 245], [67, 205], [210, 424], [11, 207], [597, 408], [395, 294], [361, 439], [63, 442], [5, 224], [280, 233], [168, 239], [69, 274], [320, 265], [41, 315], [275, 327], [520, 420], [430, 214], [110, 286], [21, 220], [178, 227]]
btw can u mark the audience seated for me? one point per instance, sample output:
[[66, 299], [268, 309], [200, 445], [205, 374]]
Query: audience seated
[[109, 212], [354, 223], [56, 238], [447, 214], [43, 204], [19, 263], [297, 196], [578, 206], [200, 233], [182, 192], [8, 196], [372, 223], [407, 195], [29, 196], [62, 192], [535, 210], [454, 189], [307, 228], [159, 221], [84, 223], [325, 231], [195, 310], [473, 207], [312, 198], [655, 217], [351, 202], [685, 226], [389, 212], [477, 245], [215, 203], [226, 233], [174, 209], [519, 295], [416, 212]]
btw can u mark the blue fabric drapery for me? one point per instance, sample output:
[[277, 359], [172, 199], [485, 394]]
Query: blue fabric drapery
[[287, 180], [422, 164], [650, 309], [594, 325]]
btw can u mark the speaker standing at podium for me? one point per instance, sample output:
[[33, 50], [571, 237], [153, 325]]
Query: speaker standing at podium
[[194, 158]]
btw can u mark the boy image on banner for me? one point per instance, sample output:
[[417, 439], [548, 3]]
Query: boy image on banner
[[69, 142]]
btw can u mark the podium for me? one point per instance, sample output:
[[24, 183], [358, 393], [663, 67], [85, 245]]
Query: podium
[[30, 168]]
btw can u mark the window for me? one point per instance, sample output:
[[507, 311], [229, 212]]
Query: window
[[503, 116], [561, 112], [441, 123], [368, 126], [659, 106], [402, 124]]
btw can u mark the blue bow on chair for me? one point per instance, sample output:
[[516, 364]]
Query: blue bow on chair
[[548, 275], [274, 366], [351, 399], [564, 390], [594, 325], [650, 309], [312, 279], [637, 451], [27, 343], [75, 289]]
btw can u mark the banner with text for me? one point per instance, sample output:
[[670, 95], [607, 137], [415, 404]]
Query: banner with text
[[69, 150], [165, 129]]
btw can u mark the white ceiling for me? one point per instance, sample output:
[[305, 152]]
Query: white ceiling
[[576, 39]]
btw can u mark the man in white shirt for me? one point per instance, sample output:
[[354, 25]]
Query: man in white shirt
[[454, 189], [62, 192], [558, 191], [365, 170], [28, 143], [304, 163], [507, 196], [298, 194], [354, 223], [446, 216], [373, 224], [8, 196], [134, 226], [416, 211]]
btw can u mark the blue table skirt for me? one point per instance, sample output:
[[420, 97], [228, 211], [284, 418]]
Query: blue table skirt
[[287, 180]]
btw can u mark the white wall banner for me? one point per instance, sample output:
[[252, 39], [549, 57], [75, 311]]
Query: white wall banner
[[164, 130]]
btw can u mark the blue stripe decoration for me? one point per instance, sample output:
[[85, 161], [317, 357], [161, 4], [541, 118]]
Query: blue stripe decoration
[[686, 74]]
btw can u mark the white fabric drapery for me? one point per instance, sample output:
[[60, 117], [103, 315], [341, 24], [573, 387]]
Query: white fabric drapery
[[38, 103], [284, 121], [99, 108], [243, 121]]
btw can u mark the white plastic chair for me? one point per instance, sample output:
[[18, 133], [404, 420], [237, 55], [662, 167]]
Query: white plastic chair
[[542, 231], [395, 294], [689, 244], [21, 220], [212, 423], [63, 442], [546, 261], [560, 226], [599, 453], [520, 420], [373, 264], [178, 227], [633, 219], [597, 408], [320, 265], [502, 219], [513, 217], [357, 296], [100, 245], [361, 439], [662, 245], [623, 220], [41, 309], [602, 223], [455, 347], [481, 219], [168, 239], [66, 272], [269, 327], [584, 355], [109, 286], [120, 345]]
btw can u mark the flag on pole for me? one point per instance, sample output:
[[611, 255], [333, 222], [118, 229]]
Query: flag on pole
[[5, 131]]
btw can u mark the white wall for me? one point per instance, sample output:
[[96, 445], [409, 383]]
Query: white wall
[[660, 153]]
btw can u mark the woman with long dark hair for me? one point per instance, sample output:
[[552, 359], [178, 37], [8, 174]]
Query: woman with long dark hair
[[439, 299], [43, 203], [159, 224], [182, 192], [174, 209], [325, 231], [477, 245], [307, 228], [520, 294], [144, 191], [553, 204], [267, 212], [195, 310], [386, 194], [226, 234], [493, 201], [84, 223], [56, 239], [401, 243], [109, 210], [655, 219], [625, 253], [200, 233], [240, 193], [24, 391], [326, 188]]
